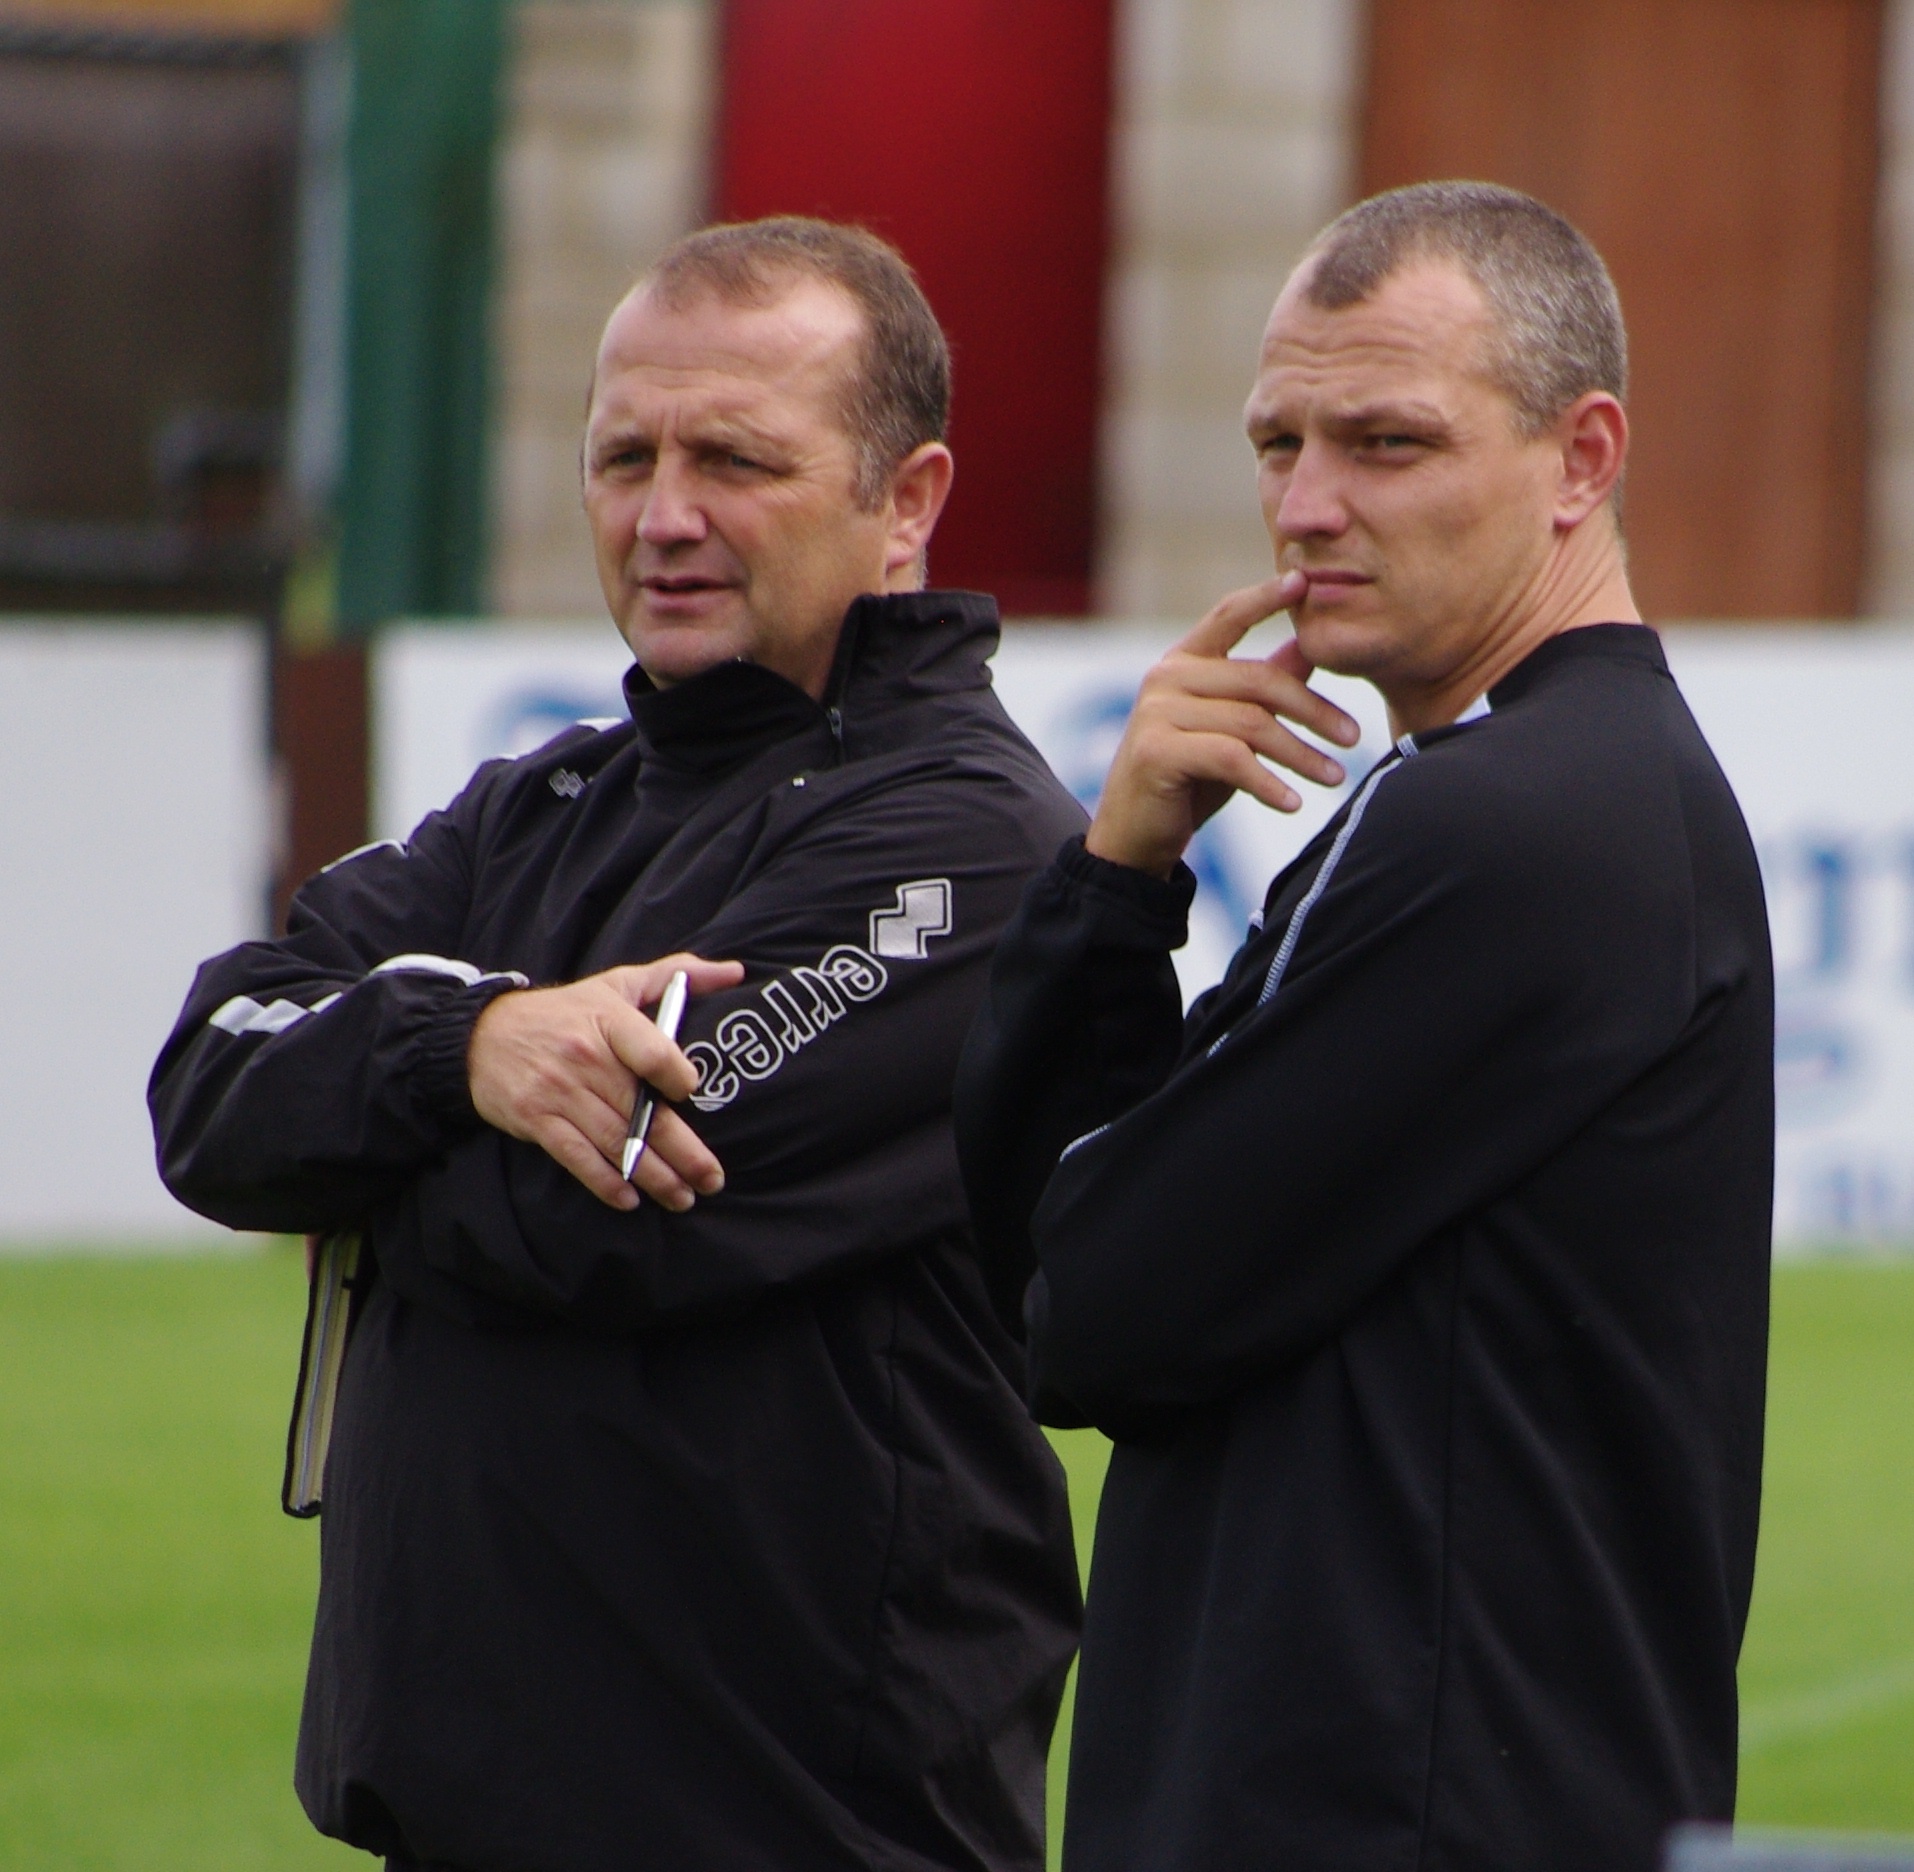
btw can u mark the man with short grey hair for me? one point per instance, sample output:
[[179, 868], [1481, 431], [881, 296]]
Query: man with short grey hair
[[682, 1509], [1420, 1272]]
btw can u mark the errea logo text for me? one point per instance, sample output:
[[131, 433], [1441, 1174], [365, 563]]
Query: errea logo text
[[751, 1042]]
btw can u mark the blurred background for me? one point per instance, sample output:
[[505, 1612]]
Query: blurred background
[[298, 300]]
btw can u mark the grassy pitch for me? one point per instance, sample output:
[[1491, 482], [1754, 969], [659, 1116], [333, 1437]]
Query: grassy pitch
[[154, 1603], [1827, 1674]]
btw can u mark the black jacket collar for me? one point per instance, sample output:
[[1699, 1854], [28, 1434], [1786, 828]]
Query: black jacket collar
[[1624, 643], [894, 650]]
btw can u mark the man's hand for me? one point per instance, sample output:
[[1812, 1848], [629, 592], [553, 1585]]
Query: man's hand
[[560, 1067], [1201, 719]]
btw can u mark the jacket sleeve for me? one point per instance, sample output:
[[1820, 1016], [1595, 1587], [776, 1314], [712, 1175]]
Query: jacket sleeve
[[825, 1087], [307, 1078], [1082, 1018], [1456, 1006]]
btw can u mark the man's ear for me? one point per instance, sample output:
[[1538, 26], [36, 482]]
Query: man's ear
[[920, 485], [1593, 434]]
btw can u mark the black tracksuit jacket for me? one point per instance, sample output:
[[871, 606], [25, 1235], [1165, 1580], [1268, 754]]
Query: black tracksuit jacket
[[717, 1540], [1421, 1275]]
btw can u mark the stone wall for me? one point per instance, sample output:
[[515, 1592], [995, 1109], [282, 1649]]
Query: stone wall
[[1235, 142], [603, 163]]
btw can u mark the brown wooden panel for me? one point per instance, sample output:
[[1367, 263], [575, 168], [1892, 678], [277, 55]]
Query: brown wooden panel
[[320, 735], [268, 17], [1722, 155]]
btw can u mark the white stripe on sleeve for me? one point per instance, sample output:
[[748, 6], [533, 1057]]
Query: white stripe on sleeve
[[1300, 915], [465, 972], [243, 1015], [360, 851]]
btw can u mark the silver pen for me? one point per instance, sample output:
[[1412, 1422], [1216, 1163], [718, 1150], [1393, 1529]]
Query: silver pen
[[671, 1010]]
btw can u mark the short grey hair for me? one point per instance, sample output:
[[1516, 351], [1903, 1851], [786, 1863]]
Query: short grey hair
[[897, 396], [1558, 321]]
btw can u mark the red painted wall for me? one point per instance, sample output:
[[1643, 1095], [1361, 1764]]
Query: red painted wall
[[975, 135]]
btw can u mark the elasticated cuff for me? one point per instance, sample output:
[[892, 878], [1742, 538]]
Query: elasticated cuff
[[444, 1080], [1154, 909]]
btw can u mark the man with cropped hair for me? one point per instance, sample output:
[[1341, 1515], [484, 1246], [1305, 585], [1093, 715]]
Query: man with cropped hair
[[1420, 1271], [695, 1519]]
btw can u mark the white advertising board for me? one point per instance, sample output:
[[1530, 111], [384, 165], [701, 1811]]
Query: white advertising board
[[133, 829], [1811, 727], [446, 697], [1807, 723]]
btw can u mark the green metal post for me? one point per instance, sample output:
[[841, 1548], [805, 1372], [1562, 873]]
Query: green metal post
[[425, 89]]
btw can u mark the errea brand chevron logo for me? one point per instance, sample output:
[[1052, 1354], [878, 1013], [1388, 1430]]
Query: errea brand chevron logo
[[800, 1005], [922, 911]]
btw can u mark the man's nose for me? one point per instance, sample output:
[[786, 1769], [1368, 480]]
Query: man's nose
[[671, 515], [1312, 504]]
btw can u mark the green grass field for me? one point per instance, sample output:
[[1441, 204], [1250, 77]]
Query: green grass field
[[154, 1602]]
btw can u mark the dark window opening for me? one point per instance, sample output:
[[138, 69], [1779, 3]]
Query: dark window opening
[[147, 243]]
